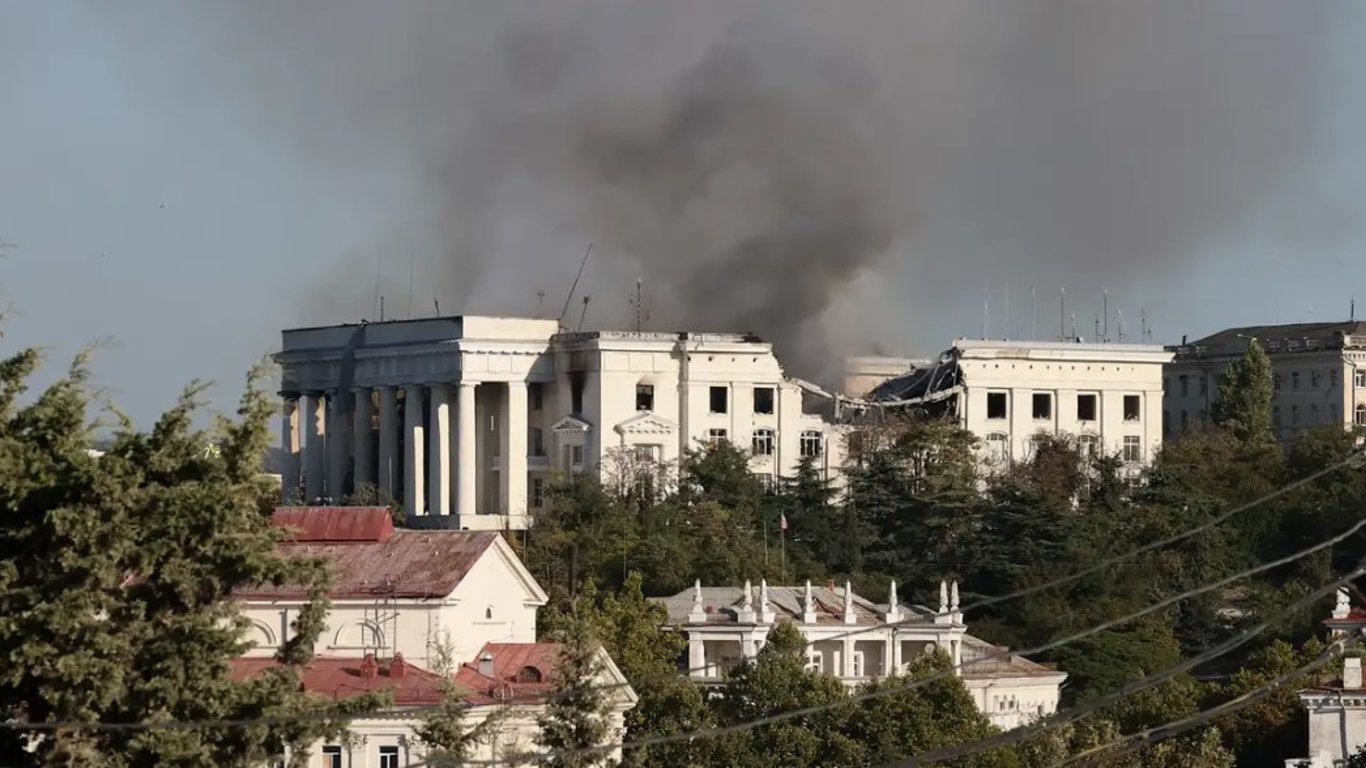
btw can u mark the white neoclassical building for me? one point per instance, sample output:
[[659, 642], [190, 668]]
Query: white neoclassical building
[[471, 416], [857, 640], [1107, 396]]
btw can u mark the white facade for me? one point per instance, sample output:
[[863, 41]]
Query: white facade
[[1336, 712], [410, 611], [856, 640], [1108, 397], [472, 416], [1318, 376]]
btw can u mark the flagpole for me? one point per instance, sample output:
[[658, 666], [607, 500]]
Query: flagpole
[[782, 547], [765, 542]]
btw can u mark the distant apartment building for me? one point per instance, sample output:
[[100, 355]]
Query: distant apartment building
[[472, 417], [1318, 375], [1106, 396]]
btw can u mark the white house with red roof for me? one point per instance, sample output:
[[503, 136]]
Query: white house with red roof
[[1337, 709], [404, 605], [857, 640]]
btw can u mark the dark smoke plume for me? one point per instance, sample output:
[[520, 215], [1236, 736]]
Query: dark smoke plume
[[832, 176]]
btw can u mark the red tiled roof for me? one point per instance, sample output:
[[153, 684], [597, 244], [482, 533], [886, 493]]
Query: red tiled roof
[[507, 681], [334, 524], [344, 677], [413, 564]]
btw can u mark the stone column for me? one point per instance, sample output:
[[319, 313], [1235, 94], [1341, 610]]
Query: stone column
[[888, 667], [439, 447], [414, 463], [697, 656], [315, 464], [466, 465], [338, 437], [289, 444], [848, 660], [388, 442], [363, 442], [514, 458], [896, 654]]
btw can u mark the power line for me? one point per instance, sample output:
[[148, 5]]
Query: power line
[[1149, 736], [1076, 713]]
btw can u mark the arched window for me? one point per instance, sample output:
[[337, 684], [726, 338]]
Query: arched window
[[762, 442], [529, 675], [488, 613], [1360, 418]]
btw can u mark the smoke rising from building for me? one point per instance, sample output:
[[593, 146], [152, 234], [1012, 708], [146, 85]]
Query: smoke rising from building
[[827, 175]]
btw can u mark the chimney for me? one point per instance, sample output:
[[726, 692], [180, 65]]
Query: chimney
[[369, 668], [398, 668], [893, 606], [766, 614], [698, 614], [486, 664], [808, 605], [849, 617], [1351, 672]]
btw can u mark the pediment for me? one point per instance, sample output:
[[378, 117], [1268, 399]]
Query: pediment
[[571, 425], [646, 423]]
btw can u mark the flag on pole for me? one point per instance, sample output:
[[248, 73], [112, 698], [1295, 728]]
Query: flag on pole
[[782, 522]]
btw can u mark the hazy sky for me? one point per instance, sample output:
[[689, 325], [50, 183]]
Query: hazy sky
[[184, 179]]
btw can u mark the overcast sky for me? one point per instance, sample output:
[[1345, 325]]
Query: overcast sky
[[182, 180]]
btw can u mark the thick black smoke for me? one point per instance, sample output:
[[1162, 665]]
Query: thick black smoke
[[832, 176]]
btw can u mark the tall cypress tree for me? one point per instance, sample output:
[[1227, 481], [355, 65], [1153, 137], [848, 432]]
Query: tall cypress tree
[[1244, 406]]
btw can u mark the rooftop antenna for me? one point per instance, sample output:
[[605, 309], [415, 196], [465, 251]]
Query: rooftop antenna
[[1143, 333], [1105, 312], [436, 303], [374, 303], [583, 314], [1353, 304], [1062, 315], [1119, 318], [986, 320], [575, 286], [1099, 337], [540, 304], [1074, 325], [412, 263], [638, 283], [381, 308]]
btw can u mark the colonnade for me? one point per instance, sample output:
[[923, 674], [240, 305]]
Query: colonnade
[[329, 440]]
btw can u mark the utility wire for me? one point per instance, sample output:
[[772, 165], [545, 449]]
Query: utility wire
[[1076, 713], [780, 717], [1149, 736]]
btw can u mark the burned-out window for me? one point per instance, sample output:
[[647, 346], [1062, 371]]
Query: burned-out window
[[645, 397], [1043, 405], [718, 400], [762, 442], [1132, 408], [809, 445], [996, 405], [1086, 407], [763, 400], [576, 384]]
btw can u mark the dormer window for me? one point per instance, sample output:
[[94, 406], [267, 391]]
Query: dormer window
[[529, 675]]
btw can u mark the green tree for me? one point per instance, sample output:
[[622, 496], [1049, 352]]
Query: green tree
[[116, 576], [1244, 406], [576, 720]]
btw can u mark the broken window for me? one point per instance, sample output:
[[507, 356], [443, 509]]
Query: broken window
[[576, 382], [762, 443], [996, 405], [809, 447], [718, 400], [1131, 408], [1043, 405], [1086, 407], [645, 397], [763, 400], [1088, 446]]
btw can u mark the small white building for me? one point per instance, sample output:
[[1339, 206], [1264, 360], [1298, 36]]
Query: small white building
[[404, 605], [1337, 710], [857, 640], [1318, 375], [1108, 397], [472, 416]]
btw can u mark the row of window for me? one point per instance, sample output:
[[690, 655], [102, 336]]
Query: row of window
[[763, 440], [1358, 416], [718, 399], [332, 756], [1088, 406], [998, 446], [1277, 381]]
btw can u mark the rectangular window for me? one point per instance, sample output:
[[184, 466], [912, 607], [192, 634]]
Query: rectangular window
[[1294, 415], [644, 396], [537, 391], [1359, 378], [769, 483], [1088, 446], [1133, 449], [1086, 407], [1043, 405], [1132, 411], [1204, 385], [715, 436], [996, 405], [1314, 414], [809, 446], [332, 756], [576, 383], [537, 492], [1333, 378], [1359, 416], [1314, 379], [1185, 386], [1276, 382], [718, 400], [858, 663], [649, 453], [388, 757], [537, 441], [763, 400], [576, 455], [1294, 380], [762, 444]]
